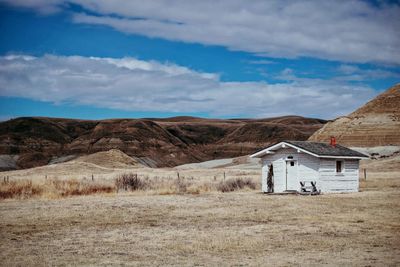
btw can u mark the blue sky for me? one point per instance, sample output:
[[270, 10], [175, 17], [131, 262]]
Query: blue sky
[[108, 59]]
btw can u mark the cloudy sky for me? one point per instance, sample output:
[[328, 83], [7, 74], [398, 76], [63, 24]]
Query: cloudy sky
[[98, 59]]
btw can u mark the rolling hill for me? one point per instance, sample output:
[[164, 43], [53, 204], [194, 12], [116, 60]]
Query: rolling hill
[[35, 141]]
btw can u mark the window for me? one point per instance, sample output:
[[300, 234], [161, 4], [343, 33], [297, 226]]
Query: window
[[292, 163], [339, 166]]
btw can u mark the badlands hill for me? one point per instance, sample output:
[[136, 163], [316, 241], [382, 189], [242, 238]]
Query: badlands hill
[[36, 141], [377, 123]]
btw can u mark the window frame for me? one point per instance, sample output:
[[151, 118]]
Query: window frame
[[341, 166]]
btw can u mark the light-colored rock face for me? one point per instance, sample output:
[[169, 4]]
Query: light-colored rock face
[[377, 123]]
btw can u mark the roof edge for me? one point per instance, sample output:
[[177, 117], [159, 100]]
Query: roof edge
[[265, 151]]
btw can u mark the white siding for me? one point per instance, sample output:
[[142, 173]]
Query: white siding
[[332, 182], [307, 168], [310, 168], [278, 161]]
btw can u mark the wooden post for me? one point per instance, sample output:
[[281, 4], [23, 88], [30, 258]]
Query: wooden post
[[92, 177], [224, 176], [365, 174]]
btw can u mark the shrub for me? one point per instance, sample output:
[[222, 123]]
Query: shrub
[[131, 182], [236, 184], [181, 186]]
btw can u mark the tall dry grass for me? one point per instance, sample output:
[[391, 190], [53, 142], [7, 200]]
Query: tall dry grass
[[20, 189], [51, 188], [160, 185], [180, 185], [128, 182], [234, 184], [74, 187]]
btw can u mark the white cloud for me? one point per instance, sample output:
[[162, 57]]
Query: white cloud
[[44, 7], [349, 31], [354, 73], [262, 62], [348, 69], [136, 85]]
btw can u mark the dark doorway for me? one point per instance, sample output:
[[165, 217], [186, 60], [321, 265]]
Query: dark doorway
[[270, 178]]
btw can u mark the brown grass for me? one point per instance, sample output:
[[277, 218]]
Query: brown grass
[[155, 185], [131, 182], [128, 182], [236, 184], [380, 182], [212, 229], [23, 189], [19, 189], [74, 187]]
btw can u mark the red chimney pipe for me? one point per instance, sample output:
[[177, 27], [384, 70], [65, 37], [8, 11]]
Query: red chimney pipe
[[333, 141]]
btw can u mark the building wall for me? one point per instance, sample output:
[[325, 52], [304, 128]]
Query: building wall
[[308, 167], [346, 181]]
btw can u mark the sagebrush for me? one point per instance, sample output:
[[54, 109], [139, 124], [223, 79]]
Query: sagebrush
[[131, 182], [236, 184]]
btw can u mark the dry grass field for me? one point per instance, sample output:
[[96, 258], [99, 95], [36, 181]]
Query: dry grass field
[[226, 229], [68, 219]]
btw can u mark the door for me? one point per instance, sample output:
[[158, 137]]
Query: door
[[292, 182]]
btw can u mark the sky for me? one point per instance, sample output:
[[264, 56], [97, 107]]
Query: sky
[[98, 59]]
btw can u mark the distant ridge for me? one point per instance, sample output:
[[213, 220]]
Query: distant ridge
[[163, 142]]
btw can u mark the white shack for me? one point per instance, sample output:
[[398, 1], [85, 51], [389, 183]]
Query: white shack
[[303, 166]]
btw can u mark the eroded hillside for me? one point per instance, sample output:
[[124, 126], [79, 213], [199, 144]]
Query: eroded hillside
[[35, 141], [377, 123]]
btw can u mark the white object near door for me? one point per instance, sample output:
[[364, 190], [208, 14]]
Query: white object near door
[[292, 181]]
